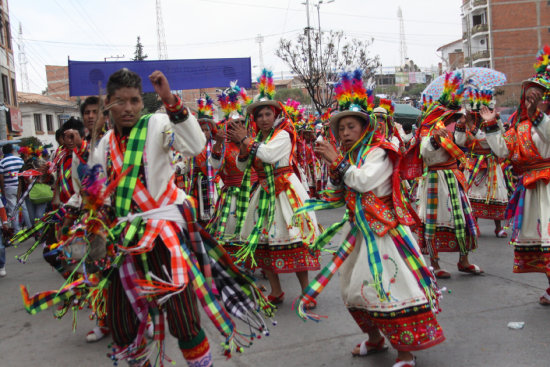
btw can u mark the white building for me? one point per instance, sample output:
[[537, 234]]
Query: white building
[[10, 123], [452, 55], [43, 115]]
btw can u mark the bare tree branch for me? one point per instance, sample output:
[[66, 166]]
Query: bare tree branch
[[331, 52]]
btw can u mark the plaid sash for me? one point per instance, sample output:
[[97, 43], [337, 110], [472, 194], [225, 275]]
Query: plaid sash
[[431, 210], [456, 207]]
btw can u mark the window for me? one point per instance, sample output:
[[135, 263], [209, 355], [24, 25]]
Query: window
[[13, 92], [49, 123], [38, 123], [478, 19], [8, 36], [61, 119], [2, 39], [6, 89]]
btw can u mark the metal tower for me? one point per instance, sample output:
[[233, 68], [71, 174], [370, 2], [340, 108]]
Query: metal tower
[[259, 41], [402, 42], [23, 62], [161, 39]]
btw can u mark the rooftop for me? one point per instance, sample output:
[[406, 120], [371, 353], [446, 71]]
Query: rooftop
[[28, 98]]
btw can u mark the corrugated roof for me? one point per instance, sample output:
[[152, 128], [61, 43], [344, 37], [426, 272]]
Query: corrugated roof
[[23, 98]]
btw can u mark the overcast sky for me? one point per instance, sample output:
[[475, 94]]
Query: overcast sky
[[91, 30]]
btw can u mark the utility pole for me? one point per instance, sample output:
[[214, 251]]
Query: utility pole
[[259, 41], [308, 31]]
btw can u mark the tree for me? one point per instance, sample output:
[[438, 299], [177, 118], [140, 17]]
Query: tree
[[138, 53], [151, 102], [296, 94], [318, 66]]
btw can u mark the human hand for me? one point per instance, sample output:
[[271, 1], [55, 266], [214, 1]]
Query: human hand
[[162, 87], [440, 133], [236, 132], [220, 136], [487, 114], [326, 151]]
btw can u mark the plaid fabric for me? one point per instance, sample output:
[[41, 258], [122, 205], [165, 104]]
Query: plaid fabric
[[431, 210], [266, 213], [516, 209], [43, 300], [456, 207], [424, 277], [266, 205], [475, 170], [217, 224], [317, 285], [132, 157]]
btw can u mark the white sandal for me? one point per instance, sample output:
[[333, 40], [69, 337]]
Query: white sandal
[[96, 334], [411, 363]]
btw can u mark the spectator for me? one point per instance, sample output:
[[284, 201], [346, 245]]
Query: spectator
[[9, 166]]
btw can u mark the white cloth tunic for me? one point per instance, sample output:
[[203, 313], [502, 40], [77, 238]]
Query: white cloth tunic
[[376, 175]]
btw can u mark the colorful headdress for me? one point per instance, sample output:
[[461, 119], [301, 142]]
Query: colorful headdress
[[205, 108], [542, 69], [351, 93], [266, 89], [230, 101], [477, 98], [29, 150], [352, 97], [295, 113], [427, 102], [387, 105], [453, 91]]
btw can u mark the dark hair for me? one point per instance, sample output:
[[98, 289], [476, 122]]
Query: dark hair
[[73, 124], [90, 101], [58, 133], [123, 78], [7, 149]]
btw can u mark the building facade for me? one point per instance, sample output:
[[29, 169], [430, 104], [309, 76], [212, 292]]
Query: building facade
[[10, 116], [43, 115], [452, 56], [505, 35]]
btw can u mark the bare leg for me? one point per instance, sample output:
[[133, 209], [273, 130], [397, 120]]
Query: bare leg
[[274, 282], [303, 279], [374, 338], [404, 356]]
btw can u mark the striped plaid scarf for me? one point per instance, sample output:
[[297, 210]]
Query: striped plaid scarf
[[431, 210], [456, 208], [515, 210], [217, 224], [266, 205]]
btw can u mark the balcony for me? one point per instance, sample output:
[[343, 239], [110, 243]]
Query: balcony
[[480, 28], [477, 58], [479, 3]]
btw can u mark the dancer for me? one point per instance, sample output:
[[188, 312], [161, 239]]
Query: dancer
[[202, 174], [448, 224], [272, 238], [385, 284], [224, 160], [527, 146], [487, 190]]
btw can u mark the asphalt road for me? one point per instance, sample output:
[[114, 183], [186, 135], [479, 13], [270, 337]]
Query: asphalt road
[[476, 311]]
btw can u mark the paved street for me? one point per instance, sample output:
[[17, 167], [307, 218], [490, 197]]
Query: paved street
[[476, 311]]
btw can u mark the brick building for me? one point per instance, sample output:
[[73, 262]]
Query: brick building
[[58, 81], [505, 35]]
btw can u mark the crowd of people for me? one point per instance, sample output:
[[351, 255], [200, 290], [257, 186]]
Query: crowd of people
[[150, 215]]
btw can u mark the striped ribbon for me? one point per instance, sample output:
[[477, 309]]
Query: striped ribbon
[[516, 209]]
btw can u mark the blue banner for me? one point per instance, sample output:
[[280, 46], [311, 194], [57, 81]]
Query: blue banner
[[85, 76]]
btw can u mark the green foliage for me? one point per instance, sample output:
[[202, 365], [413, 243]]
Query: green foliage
[[31, 141], [293, 93], [138, 53]]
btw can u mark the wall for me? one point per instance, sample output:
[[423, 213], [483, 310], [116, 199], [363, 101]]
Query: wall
[[28, 111]]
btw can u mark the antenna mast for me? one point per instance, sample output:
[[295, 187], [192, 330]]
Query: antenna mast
[[161, 39], [402, 41], [23, 62]]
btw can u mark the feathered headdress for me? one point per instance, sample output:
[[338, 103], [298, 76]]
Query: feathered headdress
[[427, 102], [266, 87], [351, 93], [453, 91], [229, 101], [295, 113], [542, 69], [205, 108], [388, 105], [477, 98]]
